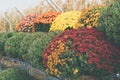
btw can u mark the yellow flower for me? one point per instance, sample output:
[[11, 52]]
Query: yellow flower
[[89, 27], [89, 16], [54, 59], [97, 14], [47, 71], [70, 59], [49, 58], [75, 71], [63, 61], [65, 20]]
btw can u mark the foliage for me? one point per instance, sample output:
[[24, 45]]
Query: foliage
[[3, 38], [12, 45], [65, 20], [110, 21], [89, 17], [27, 40], [14, 74], [43, 21], [26, 24], [80, 52], [36, 49]]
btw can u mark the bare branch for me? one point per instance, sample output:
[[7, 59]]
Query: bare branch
[[51, 4], [10, 24], [21, 13]]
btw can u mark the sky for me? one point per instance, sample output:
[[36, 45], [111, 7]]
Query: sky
[[20, 4]]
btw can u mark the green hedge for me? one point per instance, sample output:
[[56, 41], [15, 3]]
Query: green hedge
[[25, 46], [15, 74], [3, 38], [34, 55], [28, 40], [109, 21], [13, 45]]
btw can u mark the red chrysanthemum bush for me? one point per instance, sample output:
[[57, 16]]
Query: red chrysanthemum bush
[[26, 24], [43, 21], [80, 52]]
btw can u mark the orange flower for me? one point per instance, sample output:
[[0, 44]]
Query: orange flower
[[43, 21], [46, 18]]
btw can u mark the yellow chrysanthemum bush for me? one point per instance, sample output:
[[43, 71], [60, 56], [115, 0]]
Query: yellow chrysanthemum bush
[[26, 24], [80, 52], [65, 20], [89, 17]]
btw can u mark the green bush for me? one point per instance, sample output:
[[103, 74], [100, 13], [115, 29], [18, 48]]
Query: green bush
[[12, 45], [34, 55], [28, 40], [109, 21], [14, 74], [3, 38]]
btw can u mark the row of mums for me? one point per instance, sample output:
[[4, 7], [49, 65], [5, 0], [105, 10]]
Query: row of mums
[[89, 42]]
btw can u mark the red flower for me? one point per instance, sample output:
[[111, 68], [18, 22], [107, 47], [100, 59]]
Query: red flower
[[26, 24], [89, 44]]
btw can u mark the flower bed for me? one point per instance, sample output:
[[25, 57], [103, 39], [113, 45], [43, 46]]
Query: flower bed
[[80, 51]]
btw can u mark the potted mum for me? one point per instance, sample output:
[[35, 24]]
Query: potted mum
[[80, 52]]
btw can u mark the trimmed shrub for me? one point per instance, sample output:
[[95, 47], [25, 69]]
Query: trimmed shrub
[[43, 21], [80, 52], [3, 38], [28, 40], [109, 22], [36, 49], [12, 45], [26, 24], [89, 17], [15, 74], [65, 21]]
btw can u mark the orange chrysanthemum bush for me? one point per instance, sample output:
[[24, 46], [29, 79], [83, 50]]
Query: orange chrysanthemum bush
[[43, 21], [26, 24], [80, 52], [89, 17], [66, 20]]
